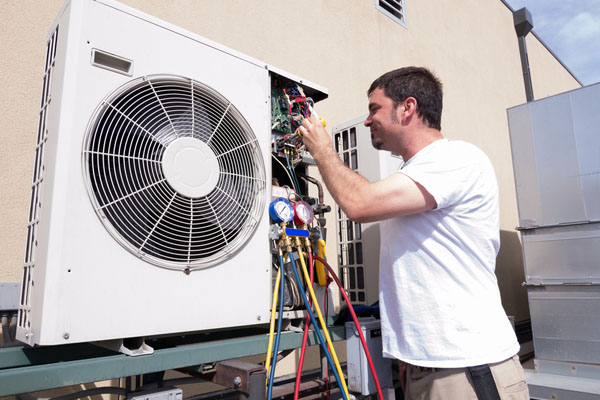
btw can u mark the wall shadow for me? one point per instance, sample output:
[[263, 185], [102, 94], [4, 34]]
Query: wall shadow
[[511, 275]]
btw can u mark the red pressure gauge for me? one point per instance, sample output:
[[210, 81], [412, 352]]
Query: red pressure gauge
[[303, 214]]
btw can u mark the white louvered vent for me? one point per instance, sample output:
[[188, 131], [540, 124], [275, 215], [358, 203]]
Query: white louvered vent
[[350, 240], [392, 8], [35, 203], [174, 172]]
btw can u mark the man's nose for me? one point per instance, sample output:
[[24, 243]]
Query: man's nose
[[368, 122]]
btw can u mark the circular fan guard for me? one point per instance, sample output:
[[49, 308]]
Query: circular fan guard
[[123, 159]]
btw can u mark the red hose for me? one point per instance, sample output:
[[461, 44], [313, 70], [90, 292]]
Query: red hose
[[327, 282], [305, 337], [360, 333]]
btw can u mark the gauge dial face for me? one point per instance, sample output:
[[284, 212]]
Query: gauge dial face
[[303, 213], [281, 210]]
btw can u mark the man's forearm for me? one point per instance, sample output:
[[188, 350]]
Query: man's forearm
[[344, 184]]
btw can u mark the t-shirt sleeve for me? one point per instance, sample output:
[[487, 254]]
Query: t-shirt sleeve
[[448, 176]]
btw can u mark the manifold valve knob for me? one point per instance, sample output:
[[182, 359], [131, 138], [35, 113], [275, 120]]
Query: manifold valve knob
[[275, 232]]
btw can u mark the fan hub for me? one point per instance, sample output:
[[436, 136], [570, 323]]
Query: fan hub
[[190, 167]]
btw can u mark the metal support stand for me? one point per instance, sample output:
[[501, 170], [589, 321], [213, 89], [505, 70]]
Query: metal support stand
[[242, 376], [26, 369]]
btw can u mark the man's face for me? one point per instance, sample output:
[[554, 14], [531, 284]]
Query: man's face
[[382, 118]]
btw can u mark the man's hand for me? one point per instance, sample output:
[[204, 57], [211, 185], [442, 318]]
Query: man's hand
[[315, 137], [361, 200]]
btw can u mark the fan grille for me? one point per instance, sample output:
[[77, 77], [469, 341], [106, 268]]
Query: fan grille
[[124, 164]]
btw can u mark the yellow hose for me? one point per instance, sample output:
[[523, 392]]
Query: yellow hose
[[322, 321], [320, 268], [272, 325]]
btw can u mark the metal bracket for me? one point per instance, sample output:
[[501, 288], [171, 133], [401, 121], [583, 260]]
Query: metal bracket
[[9, 296], [131, 346], [533, 281], [243, 376]]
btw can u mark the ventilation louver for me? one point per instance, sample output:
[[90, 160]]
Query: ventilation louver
[[174, 172]]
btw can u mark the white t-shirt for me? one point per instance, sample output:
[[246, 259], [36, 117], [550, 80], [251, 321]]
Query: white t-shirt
[[439, 297]]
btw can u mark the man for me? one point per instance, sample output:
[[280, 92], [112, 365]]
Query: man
[[440, 304]]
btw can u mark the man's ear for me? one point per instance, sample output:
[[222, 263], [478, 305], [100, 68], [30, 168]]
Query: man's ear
[[410, 106]]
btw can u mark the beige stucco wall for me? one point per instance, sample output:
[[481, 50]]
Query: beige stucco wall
[[343, 45], [470, 44]]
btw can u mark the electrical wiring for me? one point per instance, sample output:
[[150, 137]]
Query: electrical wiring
[[272, 324], [291, 169], [356, 323], [318, 332], [289, 106], [299, 106], [278, 336], [287, 172], [323, 324]]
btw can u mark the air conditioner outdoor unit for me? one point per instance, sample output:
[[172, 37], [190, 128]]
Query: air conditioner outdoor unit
[[358, 244], [149, 199]]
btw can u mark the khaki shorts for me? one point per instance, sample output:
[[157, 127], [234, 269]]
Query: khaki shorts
[[455, 383]]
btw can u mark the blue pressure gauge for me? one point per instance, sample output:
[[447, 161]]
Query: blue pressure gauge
[[281, 210]]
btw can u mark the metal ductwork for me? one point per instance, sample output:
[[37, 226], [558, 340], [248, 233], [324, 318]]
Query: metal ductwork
[[523, 25]]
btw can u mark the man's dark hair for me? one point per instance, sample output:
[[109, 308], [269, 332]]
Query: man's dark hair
[[416, 82]]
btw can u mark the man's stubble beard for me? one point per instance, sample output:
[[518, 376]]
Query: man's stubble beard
[[378, 143]]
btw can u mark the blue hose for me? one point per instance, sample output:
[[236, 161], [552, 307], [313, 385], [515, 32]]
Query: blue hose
[[278, 335], [314, 322], [294, 180]]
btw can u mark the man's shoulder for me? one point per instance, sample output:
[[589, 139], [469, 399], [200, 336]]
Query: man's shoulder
[[463, 152], [463, 146]]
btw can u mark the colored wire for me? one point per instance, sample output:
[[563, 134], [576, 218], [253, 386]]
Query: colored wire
[[272, 324], [305, 336], [296, 186], [295, 99], [279, 322], [286, 171], [360, 332], [323, 325], [287, 97], [317, 331]]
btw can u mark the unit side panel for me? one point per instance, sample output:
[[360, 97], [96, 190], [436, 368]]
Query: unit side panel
[[585, 104], [35, 287], [559, 181], [521, 143], [358, 244], [562, 323], [563, 254]]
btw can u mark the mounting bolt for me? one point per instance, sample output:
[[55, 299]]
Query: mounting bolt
[[237, 381], [258, 317], [66, 335]]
